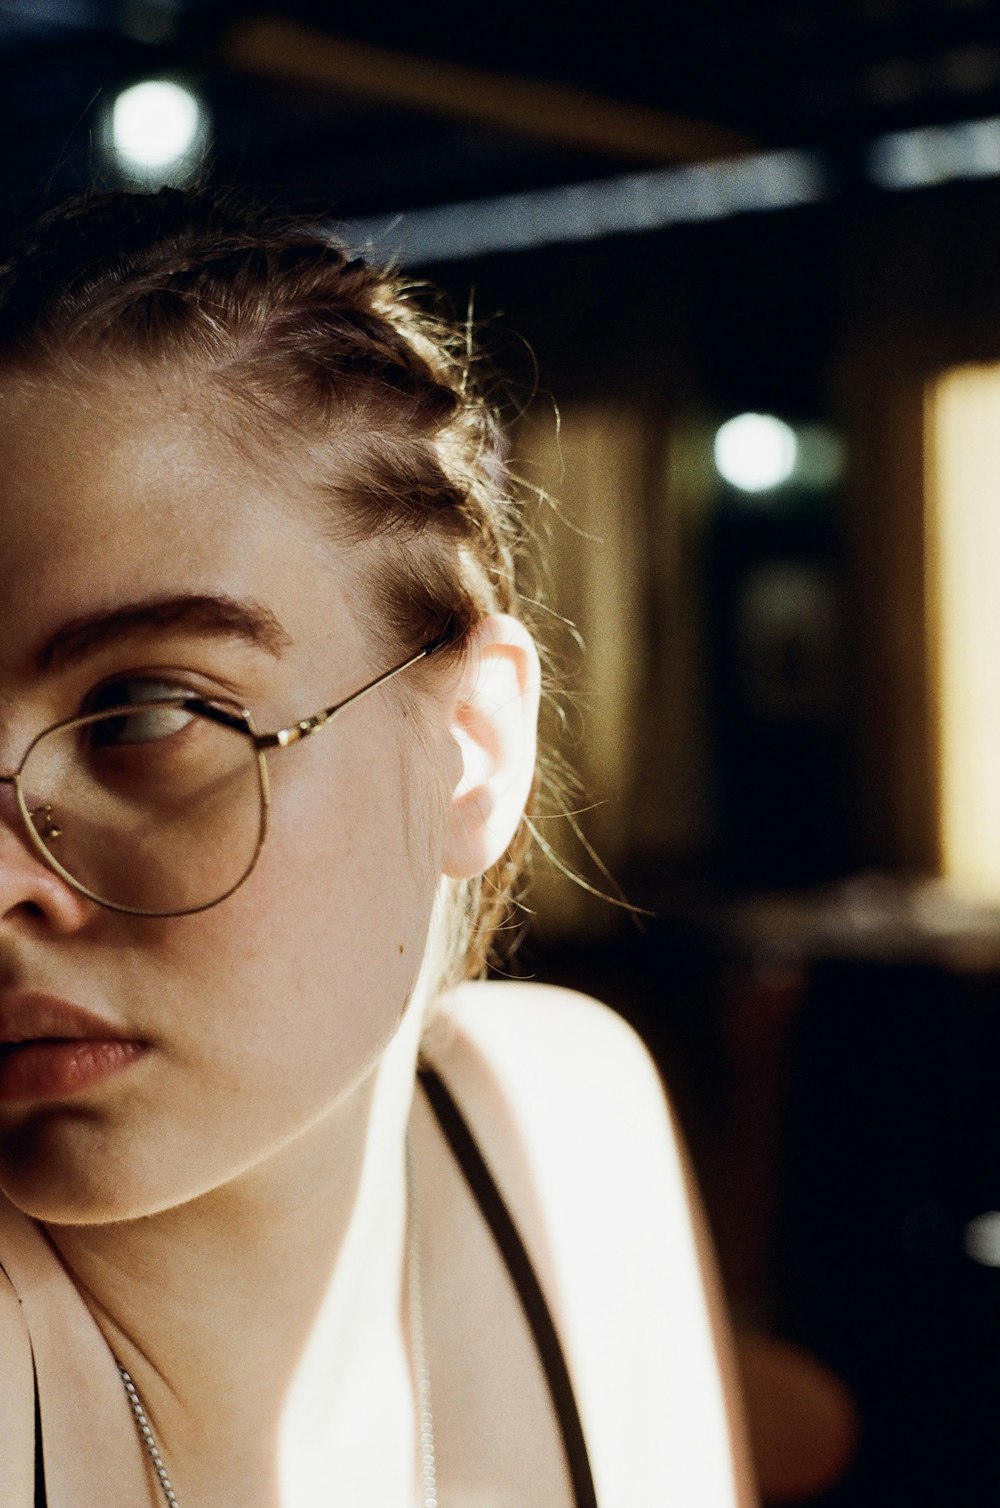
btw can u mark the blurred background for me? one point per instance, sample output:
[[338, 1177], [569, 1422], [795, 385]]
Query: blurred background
[[737, 267]]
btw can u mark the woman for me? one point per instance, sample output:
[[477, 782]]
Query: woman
[[257, 580]]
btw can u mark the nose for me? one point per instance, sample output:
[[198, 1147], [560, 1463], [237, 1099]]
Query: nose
[[29, 889]]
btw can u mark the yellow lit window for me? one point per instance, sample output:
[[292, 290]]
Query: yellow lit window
[[963, 599]]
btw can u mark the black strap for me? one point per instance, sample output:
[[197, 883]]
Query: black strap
[[41, 1498], [512, 1249]]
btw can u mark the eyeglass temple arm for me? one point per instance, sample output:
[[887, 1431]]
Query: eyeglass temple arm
[[296, 731]]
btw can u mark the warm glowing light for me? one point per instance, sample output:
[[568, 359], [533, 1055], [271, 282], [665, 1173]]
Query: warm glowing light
[[158, 131], [755, 452], [963, 569]]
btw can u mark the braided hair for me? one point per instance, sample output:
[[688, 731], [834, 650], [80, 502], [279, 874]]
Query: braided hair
[[321, 351]]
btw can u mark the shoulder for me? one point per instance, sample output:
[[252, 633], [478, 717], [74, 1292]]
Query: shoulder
[[585, 1094], [552, 1016], [573, 1115], [550, 1032], [561, 1084]]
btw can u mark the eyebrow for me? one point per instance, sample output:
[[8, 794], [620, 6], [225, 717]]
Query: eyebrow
[[220, 617]]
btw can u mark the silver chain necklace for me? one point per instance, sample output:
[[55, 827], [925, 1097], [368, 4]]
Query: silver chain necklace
[[421, 1373]]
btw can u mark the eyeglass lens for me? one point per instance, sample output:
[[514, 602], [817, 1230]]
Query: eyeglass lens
[[155, 807]]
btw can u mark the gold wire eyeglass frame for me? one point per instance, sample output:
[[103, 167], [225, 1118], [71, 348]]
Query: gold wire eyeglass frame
[[227, 714]]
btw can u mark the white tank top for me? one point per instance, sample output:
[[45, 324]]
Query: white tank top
[[92, 1449]]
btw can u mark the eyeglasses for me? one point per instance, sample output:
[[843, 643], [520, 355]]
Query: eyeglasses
[[158, 806]]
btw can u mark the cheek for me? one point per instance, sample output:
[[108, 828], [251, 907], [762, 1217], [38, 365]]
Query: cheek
[[329, 931], [264, 1012]]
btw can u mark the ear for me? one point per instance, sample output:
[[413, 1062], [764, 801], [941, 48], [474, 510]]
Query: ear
[[494, 723]]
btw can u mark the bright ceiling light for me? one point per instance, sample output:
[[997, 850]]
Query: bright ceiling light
[[158, 132], [935, 154], [982, 1239], [755, 452]]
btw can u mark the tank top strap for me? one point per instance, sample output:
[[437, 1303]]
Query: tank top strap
[[515, 1256], [90, 1450]]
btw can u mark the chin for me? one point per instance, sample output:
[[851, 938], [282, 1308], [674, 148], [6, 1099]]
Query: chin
[[58, 1179]]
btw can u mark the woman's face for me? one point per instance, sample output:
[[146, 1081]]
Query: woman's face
[[260, 1015]]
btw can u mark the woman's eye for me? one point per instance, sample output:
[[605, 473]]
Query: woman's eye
[[147, 724]]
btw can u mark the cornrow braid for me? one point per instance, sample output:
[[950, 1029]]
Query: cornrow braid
[[308, 341]]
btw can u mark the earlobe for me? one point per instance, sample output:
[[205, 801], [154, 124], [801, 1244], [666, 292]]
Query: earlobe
[[494, 724]]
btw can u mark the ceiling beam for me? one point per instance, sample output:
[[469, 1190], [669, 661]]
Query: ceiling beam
[[535, 108]]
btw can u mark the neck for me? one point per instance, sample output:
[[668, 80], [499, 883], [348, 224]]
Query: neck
[[257, 1314]]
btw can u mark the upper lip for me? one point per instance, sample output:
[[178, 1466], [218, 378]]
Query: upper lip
[[26, 1016]]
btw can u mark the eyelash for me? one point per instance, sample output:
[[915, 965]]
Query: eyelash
[[97, 697]]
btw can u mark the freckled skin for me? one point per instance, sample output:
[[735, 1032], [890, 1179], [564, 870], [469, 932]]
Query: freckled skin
[[265, 1012]]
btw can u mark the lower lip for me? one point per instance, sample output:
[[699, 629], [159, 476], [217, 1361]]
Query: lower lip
[[58, 1068]]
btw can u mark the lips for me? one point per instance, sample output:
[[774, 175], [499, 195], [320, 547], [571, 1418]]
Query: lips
[[52, 1048], [26, 1016]]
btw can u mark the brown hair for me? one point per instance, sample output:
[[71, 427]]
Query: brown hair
[[336, 353]]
